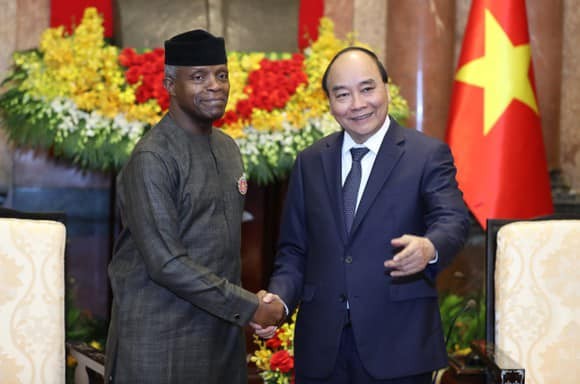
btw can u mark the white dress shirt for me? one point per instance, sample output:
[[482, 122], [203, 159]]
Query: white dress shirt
[[373, 143]]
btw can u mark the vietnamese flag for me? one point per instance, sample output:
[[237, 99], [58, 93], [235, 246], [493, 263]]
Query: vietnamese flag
[[494, 128]]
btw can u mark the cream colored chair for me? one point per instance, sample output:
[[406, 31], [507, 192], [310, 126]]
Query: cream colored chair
[[32, 302], [533, 297]]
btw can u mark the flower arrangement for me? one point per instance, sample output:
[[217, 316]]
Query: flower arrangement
[[89, 102], [274, 357]]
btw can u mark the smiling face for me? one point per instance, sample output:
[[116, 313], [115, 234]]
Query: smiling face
[[357, 94], [201, 92]]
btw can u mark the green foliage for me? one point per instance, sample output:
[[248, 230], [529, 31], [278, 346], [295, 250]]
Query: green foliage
[[81, 325], [32, 123], [469, 324]]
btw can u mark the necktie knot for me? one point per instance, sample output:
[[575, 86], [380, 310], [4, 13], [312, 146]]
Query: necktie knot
[[358, 153]]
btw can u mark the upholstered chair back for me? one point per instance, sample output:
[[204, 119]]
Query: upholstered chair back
[[32, 288], [537, 298]]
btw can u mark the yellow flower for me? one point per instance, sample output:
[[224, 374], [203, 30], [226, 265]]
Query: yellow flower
[[81, 67], [95, 344], [262, 358], [70, 361], [239, 67]]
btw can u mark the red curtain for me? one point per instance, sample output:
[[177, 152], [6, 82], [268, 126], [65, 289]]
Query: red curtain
[[70, 12], [309, 16]]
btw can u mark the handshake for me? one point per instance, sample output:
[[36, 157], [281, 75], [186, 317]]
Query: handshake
[[269, 315]]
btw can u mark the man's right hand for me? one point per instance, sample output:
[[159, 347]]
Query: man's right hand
[[269, 312]]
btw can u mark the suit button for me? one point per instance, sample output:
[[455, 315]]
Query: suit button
[[348, 260], [237, 316], [342, 298]]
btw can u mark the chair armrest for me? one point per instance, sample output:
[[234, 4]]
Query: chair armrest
[[90, 363], [500, 368]]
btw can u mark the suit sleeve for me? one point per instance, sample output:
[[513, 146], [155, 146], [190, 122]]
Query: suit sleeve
[[446, 216], [288, 275]]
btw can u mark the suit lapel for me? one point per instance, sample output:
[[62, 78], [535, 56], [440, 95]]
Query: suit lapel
[[389, 154], [331, 163]]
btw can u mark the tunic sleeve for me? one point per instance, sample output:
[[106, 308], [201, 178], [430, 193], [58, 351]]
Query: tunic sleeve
[[150, 210]]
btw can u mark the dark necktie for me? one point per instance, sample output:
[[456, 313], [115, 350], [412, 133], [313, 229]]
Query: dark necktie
[[351, 185]]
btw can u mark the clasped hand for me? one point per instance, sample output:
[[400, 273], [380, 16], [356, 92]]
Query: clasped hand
[[269, 315], [270, 310]]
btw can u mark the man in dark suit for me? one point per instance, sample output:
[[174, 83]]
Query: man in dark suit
[[363, 237]]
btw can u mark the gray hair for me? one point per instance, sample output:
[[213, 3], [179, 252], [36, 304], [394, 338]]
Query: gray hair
[[170, 71]]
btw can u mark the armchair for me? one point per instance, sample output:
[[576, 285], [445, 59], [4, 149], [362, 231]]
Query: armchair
[[32, 288], [532, 300], [32, 303]]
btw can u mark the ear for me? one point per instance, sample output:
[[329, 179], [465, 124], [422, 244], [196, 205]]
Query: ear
[[169, 84], [388, 93]]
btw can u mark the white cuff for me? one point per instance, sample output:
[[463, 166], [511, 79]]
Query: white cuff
[[285, 307], [434, 259]]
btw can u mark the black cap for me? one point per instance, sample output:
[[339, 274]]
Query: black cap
[[195, 48]]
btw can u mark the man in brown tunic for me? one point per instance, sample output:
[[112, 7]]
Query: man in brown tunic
[[178, 308]]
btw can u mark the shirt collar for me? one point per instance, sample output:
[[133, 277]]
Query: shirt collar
[[373, 143]]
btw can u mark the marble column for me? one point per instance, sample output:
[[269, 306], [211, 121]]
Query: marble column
[[341, 12], [545, 25], [420, 47], [570, 102], [370, 24], [21, 24]]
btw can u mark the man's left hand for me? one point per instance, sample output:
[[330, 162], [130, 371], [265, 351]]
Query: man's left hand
[[416, 252]]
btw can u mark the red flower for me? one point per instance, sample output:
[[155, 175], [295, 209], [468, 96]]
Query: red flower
[[141, 95], [274, 342], [146, 68], [133, 75], [127, 56], [228, 118], [283, 361], [244, 108], [268, 88], [163, 101], [272, 85]]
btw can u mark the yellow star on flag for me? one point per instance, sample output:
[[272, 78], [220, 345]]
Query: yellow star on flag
[[502, 72]]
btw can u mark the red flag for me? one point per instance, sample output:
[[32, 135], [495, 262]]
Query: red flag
[[309, 15], [494, 128]]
